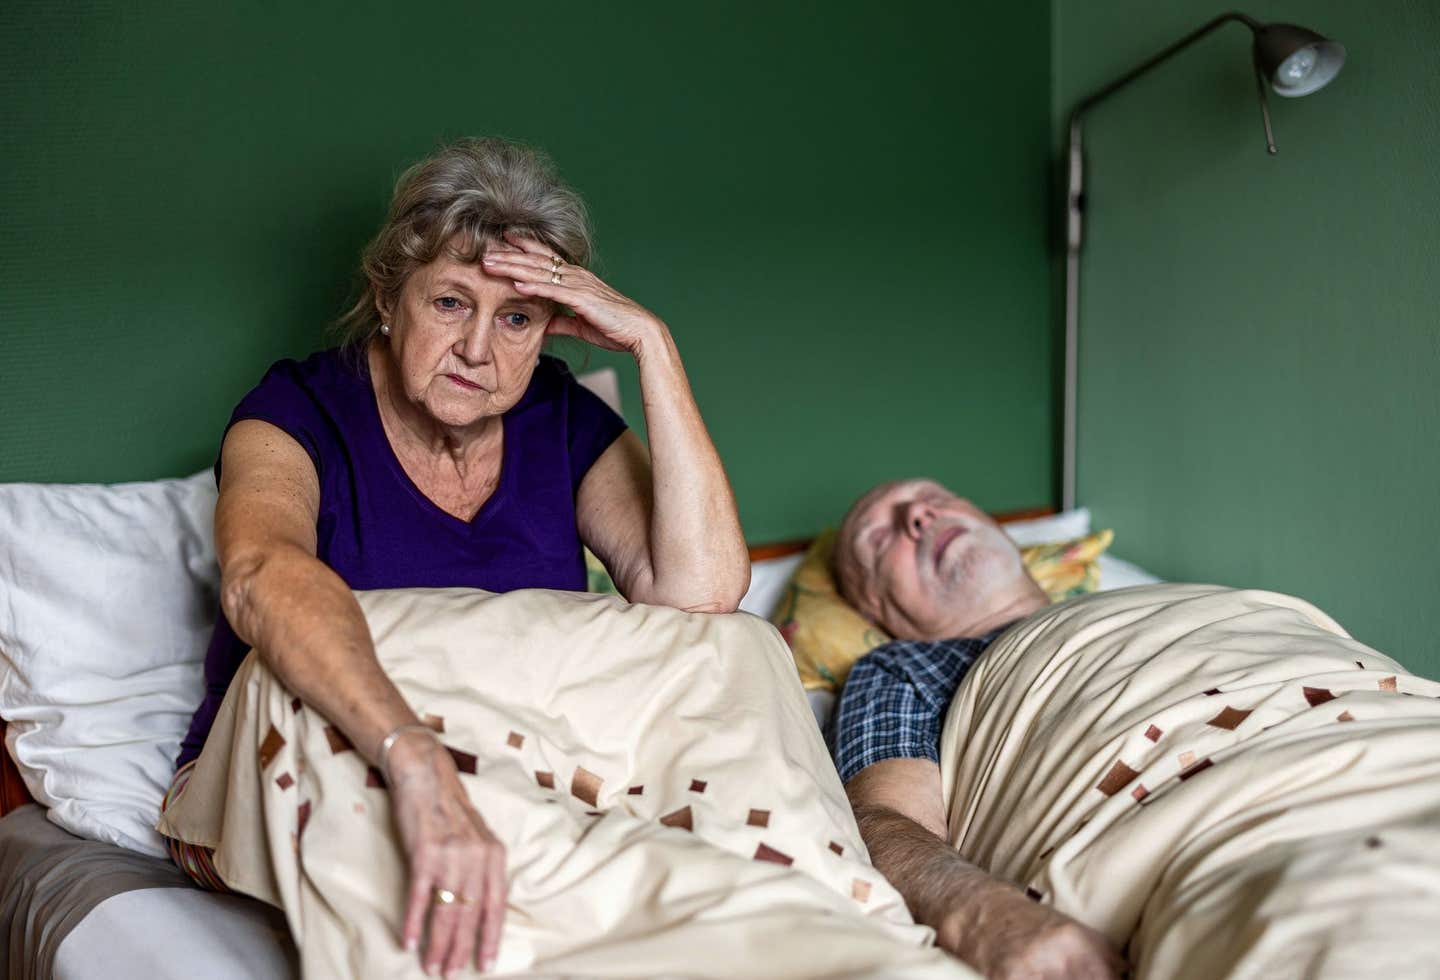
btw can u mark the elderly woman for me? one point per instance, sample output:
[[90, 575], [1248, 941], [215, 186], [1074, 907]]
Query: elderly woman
[[439, 447]]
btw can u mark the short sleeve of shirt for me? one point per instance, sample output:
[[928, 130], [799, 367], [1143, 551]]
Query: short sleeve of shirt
[[895, 700], [286, 398], [590, 426]]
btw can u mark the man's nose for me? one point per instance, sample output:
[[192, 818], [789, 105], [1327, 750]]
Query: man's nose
[[473, 345], [917, 516]]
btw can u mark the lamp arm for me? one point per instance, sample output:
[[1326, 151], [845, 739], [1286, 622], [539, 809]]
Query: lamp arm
[[1074, 232], [1086, 103]]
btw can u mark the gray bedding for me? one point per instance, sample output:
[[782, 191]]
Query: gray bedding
[[51, 880]]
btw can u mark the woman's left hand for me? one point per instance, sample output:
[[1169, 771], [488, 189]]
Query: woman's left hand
[[602, 316]]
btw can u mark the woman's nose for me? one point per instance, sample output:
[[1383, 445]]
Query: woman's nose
[[473, 346]]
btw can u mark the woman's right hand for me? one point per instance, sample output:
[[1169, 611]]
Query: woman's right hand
[[449, 847]]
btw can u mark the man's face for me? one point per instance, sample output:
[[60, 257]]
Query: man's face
[[923, 562]]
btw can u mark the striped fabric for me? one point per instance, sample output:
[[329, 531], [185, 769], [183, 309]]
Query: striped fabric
[[196, 861]]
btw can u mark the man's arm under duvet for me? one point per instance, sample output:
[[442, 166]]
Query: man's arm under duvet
[[988, 923]]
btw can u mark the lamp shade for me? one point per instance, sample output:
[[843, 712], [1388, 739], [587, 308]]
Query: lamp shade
[[1296, 61]]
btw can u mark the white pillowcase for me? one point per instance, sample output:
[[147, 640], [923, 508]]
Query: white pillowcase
[[1064, 526], [768, 579], [109, 597]]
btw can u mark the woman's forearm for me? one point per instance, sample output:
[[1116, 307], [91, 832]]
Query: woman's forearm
[[697, 549], [304, 621]]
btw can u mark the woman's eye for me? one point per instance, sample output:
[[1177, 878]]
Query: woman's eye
[[519, 321], [449, 304]]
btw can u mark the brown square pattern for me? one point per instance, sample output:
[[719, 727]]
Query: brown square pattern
[[1196, 769], [285, 780], [767, 853], [545, 779], [338, 742], [515, 740], [679, 818], [271, 747], [1153, 733], [464, 761], [1229, 719], [697, 785], [585, 785], [1116, 779], [758, 818], [837, 848]]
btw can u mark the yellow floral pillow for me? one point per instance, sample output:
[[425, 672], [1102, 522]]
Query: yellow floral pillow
[[827, 635], [597, 576], [1068, 568]]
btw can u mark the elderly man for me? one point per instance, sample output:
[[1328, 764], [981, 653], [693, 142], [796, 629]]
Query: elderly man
[[943, 577]]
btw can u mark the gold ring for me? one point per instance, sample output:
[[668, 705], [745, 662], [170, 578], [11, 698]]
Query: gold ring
[[444, 896], [554, 262], [556, 276]]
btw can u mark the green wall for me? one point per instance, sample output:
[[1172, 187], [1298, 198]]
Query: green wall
[[833, 205], [1260, 345]]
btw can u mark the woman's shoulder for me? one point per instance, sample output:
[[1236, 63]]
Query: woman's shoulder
[[553, 370], [310, 395], [336, 366]]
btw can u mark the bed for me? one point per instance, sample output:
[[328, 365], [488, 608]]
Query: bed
[[1189, 795], [62, 915]]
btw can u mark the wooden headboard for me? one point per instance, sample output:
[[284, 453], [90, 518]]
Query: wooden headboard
[[13, 792]]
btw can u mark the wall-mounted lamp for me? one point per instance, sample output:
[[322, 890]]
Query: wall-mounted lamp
[[1292, 60]]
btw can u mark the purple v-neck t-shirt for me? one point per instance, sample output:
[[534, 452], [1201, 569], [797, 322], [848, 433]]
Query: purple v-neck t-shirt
[[378, 531]]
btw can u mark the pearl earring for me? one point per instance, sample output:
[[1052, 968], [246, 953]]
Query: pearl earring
[[385, 329]]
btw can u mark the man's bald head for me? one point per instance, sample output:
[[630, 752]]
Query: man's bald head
[[927, 564]]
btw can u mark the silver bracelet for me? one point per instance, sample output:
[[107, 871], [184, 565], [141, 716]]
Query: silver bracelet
[[382, 758]]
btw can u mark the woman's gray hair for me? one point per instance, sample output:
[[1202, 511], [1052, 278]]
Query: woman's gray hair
[[464, 197]]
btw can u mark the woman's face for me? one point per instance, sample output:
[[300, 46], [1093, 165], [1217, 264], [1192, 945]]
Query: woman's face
[[464, 344]]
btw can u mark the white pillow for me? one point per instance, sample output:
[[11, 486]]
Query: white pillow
[[768, 579], [109, 596], [1064, 526], [605, 383]]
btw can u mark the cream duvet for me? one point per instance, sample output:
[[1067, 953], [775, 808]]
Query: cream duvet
[[1222, 781], [666, 802]]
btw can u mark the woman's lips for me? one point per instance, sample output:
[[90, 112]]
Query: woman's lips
[[464, 383], [943, 539]]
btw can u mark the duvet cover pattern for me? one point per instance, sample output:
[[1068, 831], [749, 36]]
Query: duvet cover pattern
[[1222, 781], [666, 801]]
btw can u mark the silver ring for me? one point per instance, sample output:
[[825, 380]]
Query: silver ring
[[556, 276]]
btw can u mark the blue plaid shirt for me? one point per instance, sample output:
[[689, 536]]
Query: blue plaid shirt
[[895, 699]]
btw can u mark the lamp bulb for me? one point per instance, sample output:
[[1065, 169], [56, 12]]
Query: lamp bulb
[[1296, 68]]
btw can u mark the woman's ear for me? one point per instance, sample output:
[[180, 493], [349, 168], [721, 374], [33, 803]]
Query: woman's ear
[[383, 306]]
